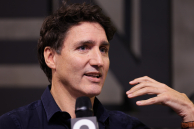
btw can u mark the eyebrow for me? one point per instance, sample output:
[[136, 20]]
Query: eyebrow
[[105, 43], [92, 42]]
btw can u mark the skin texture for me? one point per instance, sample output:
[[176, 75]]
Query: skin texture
[[84, 56], [179, 102]]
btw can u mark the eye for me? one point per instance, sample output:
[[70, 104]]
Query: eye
[[84, 47], [104, 49]]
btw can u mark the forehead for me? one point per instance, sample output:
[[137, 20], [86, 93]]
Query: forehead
[[86, 31], [83, 26]]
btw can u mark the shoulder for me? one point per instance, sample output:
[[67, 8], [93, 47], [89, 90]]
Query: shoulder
[[121, 117], [6, 122], [126, 121], [15, 118]]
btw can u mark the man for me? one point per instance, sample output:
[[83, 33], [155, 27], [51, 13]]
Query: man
[[73, 52]]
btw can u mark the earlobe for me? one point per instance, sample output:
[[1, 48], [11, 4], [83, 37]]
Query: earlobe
[[49, 55]]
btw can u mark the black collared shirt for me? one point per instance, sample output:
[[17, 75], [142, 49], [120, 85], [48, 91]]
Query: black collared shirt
[[45, 114]]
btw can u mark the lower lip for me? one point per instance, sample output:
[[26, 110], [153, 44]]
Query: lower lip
[[93, 79]]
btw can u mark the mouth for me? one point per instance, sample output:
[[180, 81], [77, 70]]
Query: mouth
[[93, 75]]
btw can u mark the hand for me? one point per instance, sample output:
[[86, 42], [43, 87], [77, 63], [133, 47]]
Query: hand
[[179, 102]]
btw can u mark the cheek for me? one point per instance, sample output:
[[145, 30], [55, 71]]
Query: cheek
[[107, 64], [76, 64]]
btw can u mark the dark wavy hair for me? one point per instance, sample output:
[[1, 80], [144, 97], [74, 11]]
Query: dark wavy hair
[[55, 27]]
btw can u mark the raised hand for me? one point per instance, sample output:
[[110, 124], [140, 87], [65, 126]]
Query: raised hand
[[179, 102]]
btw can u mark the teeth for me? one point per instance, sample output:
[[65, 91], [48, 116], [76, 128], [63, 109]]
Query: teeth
[[93, 75]]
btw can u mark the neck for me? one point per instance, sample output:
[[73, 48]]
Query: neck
[[64, 99]]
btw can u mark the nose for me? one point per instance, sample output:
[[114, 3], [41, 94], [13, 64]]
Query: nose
[[96, 58]]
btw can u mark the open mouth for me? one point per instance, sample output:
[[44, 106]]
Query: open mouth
[[94, 75]]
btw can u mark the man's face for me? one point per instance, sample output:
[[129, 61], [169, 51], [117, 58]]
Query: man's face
[[83, 63]]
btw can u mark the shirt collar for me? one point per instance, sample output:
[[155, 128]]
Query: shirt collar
[[100, 112], [51, 107], [49, 103]]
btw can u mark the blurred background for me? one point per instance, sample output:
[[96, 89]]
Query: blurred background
[[154, 38]]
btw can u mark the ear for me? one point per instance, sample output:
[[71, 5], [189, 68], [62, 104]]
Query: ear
[[49, 56]]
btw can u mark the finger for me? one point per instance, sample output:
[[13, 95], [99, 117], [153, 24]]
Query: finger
[[151, 101], [140, 86], [143, 91], [142, 79]]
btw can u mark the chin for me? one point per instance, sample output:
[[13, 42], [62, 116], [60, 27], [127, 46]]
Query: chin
[[93, 93]]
